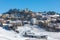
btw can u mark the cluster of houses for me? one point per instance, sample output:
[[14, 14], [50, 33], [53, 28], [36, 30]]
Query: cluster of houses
[[42, 19]]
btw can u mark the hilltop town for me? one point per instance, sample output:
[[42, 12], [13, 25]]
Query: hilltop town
[[14, 18]]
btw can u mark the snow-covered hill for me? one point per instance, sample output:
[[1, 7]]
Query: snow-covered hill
[[11, 35]]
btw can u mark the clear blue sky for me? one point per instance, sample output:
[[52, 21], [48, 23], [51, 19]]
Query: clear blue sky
[[34, 5]]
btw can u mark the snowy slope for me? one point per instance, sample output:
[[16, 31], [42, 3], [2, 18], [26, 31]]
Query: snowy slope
[[11, 35]]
